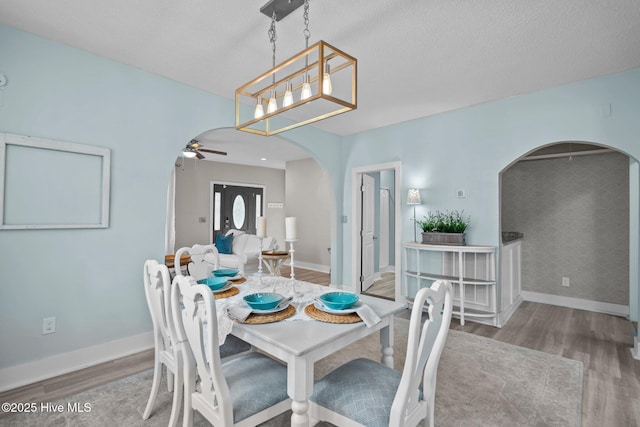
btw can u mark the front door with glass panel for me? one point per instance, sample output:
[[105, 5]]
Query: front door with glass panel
[[235, 207]]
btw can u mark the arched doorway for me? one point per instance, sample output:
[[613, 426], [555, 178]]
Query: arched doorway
[[571, 200], [290, 181]]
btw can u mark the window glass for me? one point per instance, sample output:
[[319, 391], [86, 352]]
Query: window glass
[[238, 212], [216, 214]]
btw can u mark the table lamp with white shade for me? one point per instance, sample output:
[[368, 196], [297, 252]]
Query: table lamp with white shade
[[413, 199]]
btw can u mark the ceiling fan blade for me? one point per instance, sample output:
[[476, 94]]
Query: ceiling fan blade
[[222, 153], [199, 155]]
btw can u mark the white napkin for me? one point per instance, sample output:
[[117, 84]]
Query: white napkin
[[239, 312], [368, 316]]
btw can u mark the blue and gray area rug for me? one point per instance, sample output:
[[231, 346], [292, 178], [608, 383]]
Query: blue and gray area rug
[[481, 382]]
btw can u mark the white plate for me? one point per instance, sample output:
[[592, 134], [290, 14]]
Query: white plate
[[326, 309], [271, 310], [224, 288], [238, 277]]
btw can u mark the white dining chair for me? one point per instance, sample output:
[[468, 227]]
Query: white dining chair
[[204, 259], [363, 392], [243, 392], [167, 339], [157, 285]]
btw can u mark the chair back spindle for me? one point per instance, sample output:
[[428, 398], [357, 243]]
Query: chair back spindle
[[198, 321], [424, 348], [200, 266]]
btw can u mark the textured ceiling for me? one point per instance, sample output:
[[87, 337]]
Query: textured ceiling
[[416, 58]]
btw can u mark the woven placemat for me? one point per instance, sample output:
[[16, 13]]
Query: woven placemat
[[257, 319], [239, 281], [228, 293], [323, 316]]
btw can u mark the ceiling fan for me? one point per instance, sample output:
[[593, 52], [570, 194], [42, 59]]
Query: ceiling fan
[[193, 149]]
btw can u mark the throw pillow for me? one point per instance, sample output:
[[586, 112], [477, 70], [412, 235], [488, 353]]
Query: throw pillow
[[224, 243]]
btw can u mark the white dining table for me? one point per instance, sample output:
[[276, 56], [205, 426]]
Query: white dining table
[[300, 344]]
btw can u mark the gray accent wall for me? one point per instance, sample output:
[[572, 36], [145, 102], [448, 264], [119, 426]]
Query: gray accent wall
[[193, 201], [575, 218], [308, 199]]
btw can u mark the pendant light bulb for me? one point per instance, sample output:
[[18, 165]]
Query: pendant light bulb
[[306, 89], [288, 96], [326, 81], [272, 105], [259, 111]]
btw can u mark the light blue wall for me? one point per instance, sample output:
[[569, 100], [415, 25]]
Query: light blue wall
[[468, 148], [387, 180], [91, 280]]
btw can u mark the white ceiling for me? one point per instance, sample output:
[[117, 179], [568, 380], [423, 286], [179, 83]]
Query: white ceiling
[[245, 148], [415, 57]]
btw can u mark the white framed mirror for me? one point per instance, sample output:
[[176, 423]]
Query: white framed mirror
[[40, 189]]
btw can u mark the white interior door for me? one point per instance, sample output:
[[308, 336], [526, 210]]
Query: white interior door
[[384, 229], [367, 231]]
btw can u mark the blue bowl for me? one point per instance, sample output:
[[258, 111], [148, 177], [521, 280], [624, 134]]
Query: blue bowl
[[263, 301], [214, 283], [225, 272], [339, 300]]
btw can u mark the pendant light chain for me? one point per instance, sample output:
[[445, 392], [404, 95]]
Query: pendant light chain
[[272, 105], [306, 88], [306, 32], [272, 39]]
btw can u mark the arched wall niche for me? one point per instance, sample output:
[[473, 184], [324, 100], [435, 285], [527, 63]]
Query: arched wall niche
[[580, 200]]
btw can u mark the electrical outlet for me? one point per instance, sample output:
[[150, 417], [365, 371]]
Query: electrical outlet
[[565, 282], [48, 325]]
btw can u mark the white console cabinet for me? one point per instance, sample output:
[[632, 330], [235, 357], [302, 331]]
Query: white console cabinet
[[471, 270]]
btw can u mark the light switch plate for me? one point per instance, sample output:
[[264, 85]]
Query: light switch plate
[[48, 325]]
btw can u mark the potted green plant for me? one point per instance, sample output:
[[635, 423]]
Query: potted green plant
[[444, 228]]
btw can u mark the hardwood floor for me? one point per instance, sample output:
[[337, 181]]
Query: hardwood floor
[[305, 275], [384, 287], [611, 395]]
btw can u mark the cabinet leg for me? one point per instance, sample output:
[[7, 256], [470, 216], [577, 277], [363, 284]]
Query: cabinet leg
[[461, 303]]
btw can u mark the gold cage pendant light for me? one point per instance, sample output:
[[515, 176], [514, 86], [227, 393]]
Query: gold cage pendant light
[[316, 83]]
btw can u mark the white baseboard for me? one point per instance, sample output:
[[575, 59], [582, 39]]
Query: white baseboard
[[505, 315], [635, 350], [310, 266], [388, 269], [29, 373], [580, 304]]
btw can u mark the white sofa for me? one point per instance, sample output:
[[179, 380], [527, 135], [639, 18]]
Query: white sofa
[[245, 249]]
